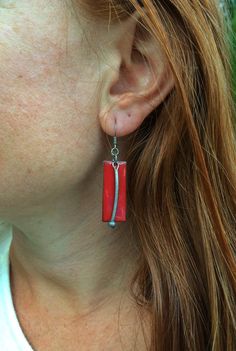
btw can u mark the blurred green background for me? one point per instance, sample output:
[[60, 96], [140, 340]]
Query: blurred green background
[[229, 9]]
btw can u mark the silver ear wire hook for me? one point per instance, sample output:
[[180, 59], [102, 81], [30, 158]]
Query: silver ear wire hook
[[115, 150], [115, 126]]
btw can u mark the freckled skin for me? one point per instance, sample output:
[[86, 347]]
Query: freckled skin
[[51, 152], [48, 105]]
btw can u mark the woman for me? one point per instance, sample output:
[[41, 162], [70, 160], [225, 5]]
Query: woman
[[157, 75]]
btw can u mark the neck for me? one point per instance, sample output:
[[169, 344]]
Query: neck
[[69, 258]]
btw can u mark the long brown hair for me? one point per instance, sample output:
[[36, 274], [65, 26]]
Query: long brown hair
[[182, 179]]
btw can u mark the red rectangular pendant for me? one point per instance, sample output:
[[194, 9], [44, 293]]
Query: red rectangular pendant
[[109, 191]]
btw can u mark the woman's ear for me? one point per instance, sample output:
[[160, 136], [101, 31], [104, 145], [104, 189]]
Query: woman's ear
[[137, 78]]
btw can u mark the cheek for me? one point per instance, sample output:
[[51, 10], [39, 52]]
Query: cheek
[[49, 134], [46, 143]]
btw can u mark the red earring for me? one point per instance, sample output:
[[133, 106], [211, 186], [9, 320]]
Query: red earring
[[114, 188]]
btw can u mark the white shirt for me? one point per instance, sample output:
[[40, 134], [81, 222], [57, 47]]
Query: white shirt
[[12, 337]]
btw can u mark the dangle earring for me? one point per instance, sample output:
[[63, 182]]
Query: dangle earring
[[114, 188]]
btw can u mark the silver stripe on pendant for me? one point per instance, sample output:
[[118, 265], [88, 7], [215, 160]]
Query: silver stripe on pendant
[[112, 222]]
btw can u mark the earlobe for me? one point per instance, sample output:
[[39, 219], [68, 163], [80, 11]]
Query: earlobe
[[127, 121], [141, 82]]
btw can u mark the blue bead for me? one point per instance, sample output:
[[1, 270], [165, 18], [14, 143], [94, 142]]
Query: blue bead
[[112, 224]]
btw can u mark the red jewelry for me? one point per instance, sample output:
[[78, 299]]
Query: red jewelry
[[114, 188]]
